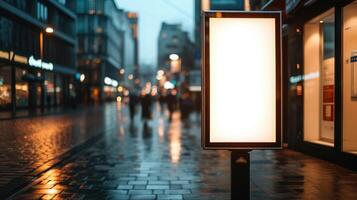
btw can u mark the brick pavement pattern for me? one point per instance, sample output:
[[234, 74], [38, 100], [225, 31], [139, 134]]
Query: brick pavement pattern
[[29, 146], [164, 160]]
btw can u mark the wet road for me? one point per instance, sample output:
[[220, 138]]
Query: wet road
[[160, 160]]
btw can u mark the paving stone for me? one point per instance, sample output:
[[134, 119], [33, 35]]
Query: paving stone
[[158, 182], [157, 187], [140, 192], [137, 182], [139, 187], [177, 192], [125, 187]]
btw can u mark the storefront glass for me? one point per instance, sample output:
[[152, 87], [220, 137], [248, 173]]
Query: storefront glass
[[5, 87], [318, 91], [22, 89], [350, 78], [50, 89], [59, 90]]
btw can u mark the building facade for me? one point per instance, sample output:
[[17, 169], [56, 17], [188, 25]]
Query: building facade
[[173, 40], [105, 49], [98, 50], [129, 49], [37, 54], [320, 77], [133, 20]]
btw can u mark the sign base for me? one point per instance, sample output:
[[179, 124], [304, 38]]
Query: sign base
[[240, 174]]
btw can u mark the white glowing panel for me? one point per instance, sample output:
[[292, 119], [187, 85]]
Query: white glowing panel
[[242, 57]]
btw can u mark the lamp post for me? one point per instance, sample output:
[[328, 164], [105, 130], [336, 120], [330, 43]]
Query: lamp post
[[48, 30]]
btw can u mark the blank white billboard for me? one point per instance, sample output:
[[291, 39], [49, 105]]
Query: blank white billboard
[[242, 76]]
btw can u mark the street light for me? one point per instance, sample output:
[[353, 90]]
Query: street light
[[130, 77], [82, 77], [49, 30], [174, 57], [160, 72]]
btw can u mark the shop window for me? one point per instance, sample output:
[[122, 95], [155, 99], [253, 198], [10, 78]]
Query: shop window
[[350, 78], [59, 90], [5, 87], [22, 89], [318, 91], [42, 12], [50, 89]]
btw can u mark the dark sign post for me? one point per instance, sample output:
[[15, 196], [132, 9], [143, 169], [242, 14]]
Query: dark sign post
[[241, 108]]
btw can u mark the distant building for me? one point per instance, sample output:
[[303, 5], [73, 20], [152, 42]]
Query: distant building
[[133, 20], [128, 50], [173, 40], [37, 67], [105, 45], [147, 74]]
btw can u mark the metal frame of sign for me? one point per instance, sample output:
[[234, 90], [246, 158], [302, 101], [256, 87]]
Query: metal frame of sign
[[205, 123]]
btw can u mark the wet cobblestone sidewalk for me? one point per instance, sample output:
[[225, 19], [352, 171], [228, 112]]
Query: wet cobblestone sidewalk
[[163, 160], [29, 146]]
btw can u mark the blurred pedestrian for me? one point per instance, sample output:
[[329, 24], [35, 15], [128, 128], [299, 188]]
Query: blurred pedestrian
[[146, 103], [133, 101], [48, 100], [171, 101], [162, 100], [186, 106]]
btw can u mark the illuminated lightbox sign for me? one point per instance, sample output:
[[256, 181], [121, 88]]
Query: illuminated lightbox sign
[[241, 80], [40, 64]]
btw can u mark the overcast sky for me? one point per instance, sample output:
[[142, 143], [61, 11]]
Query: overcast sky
[[151, 14]]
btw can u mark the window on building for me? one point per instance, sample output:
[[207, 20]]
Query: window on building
[[22, 88], [350, 78], [81, 6], [50, 89], [5, 87], [81, 24], [91, 6], [59, 90], [62, 2], [319, 65], [41, 12]]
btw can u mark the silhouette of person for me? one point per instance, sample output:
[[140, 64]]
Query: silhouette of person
[[146, 103], [133, 100], [171, 101]]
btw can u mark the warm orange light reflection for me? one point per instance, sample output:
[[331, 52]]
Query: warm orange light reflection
[[121, 130], [161, 128], [175, 138]]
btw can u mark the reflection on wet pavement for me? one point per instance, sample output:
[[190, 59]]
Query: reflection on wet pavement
[[164, 160]]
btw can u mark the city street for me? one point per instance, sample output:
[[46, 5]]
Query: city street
[[121, 99], [99, 153]]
